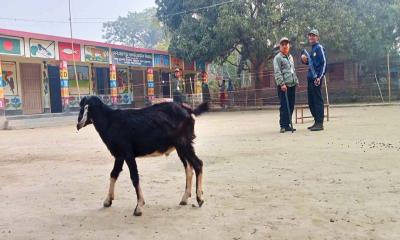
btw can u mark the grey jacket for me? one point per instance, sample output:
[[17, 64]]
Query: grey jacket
[[284, 70]]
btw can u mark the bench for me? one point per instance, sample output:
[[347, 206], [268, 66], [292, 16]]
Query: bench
[[300, 110]]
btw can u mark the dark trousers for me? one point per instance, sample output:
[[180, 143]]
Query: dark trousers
[[315, 101], [284, 120]]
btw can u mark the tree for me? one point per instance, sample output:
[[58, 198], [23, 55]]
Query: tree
[[361, 29], [138, 29]]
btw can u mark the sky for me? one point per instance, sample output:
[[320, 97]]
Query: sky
[[51, 16]]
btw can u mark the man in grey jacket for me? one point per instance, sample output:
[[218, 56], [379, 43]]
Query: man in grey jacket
[[286, 82]]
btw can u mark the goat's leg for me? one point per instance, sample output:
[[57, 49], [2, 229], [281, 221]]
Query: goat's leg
[[135, 181], [198, 168], [188, 187], [187, 152], [113, 178], [182, 153]]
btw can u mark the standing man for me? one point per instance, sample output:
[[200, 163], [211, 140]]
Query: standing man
[[286, 82], [316, 72]]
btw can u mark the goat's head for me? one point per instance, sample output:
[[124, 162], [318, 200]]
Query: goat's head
[[85, 116]]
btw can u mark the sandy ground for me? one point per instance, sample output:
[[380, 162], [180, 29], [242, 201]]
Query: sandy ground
[[342, 183]]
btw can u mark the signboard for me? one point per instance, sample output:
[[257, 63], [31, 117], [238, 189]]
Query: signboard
[[189, 66], [67, 53], [64, 83], [161, 61], [97, 54], [150, 83], [113, 83], [11, 46], [176, 62], [136, 59], [42, 48]]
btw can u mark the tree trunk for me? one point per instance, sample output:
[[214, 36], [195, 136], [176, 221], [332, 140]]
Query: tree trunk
[[256, 72]]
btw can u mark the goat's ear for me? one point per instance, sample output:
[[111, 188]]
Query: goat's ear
[[83, 102]]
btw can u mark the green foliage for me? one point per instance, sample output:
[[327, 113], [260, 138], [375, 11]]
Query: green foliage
[[139, 29], [362, 30]]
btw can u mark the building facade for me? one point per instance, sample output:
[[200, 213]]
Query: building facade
[[43, 73]]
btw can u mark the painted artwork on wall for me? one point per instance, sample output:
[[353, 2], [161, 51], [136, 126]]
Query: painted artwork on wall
[[161, 61], [67, 53], [189, 66], [122, 80], [83, 80], [42, 48], [9, 74], [176, 63], [97, 54], [11, 46]]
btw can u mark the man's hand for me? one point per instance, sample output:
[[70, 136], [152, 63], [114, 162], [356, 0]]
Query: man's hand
[[304, 59], [317, 82], [283, 88]]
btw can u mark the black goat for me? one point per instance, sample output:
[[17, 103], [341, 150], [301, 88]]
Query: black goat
[[150, 131]]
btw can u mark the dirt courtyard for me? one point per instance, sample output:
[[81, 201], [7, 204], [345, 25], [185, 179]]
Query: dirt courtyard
[[342, 183]]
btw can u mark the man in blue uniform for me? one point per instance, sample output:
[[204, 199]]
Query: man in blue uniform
[[316, 73]]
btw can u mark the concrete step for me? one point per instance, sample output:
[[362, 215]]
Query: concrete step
[[25, 123]]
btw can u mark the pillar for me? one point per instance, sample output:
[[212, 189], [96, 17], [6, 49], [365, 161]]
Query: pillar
[[64, 85], [150, 84], [113, 84]]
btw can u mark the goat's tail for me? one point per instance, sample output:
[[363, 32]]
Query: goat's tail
[[202, 108]]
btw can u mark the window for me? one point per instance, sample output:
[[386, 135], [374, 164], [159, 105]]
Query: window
[[83, 80]]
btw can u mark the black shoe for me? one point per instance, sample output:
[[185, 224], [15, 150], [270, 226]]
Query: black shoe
[[311, 126], [289, 129], [282, 130], [317, 127]]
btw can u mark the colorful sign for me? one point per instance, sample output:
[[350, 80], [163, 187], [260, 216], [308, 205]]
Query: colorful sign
[[42, 48], [136, 59], [176, 63], [67, 53], [161, 61], [189, 66], [113, 83], [9, 79], [2, 104], [97, 54], [64, 83], [11, 46], [150, 83]]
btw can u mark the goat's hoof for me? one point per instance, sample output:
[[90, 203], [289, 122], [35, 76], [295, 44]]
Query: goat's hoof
[[137, 212], [183, 203], [107, 203], [200, 202]]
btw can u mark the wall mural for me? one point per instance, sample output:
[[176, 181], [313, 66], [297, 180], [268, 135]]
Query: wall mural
[[42, 48], [121, 99], [9, 73], [97, 54], [11, 46], [67, 53], [122, 80]]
